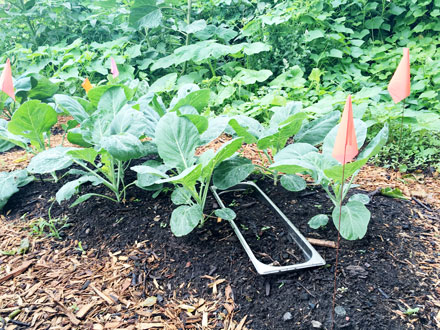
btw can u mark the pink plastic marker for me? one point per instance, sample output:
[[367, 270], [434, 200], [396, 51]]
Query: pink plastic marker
[[114, 68], [6, 84]]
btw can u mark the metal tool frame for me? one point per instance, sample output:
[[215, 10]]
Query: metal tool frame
[[313, 258]]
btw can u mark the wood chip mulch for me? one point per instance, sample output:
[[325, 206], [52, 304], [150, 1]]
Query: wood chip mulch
[[55, 286]]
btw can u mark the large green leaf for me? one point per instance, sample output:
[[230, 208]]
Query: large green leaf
[[10, 182], [199, 121], [70, 188], [185, 218], [197, 99], [145, 14], [246, 127], [72, 107], [149, 173], [249, 77], [8, 140], [293, 182], [335, 172], [74, 136], [124, 146], [294, 151], [42, 88], [187, 178], [87, 154], [227, 150], [354, 220], [375, 144], [181, 196], [95, 94], [277, 139], [31, 120], [231, 172], [316, 130], [50, 160], [281, 114], [129, 121], [112, 100], [164, 84], [216, 126], [176, 140]]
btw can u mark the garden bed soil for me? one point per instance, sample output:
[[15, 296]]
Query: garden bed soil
[[395, 268]]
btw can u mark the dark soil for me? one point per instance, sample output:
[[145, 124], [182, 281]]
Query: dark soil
[[375, 277]]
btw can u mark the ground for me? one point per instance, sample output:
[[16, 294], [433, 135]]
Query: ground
[[118, 266]]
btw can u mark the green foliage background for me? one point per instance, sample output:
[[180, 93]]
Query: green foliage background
[[253, 55]]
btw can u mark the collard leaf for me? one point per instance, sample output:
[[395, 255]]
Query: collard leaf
[[376, 144], [225, 213], [112, 100], [316, 130], [123, 146], [129, 121], [74, 136], [318, 221], [10, 182], [176, 140], [293, 151], [227, 150], [42, 88], [281, 114], [164, 84], [8, 140], [181, 196], [231, 172], [393, 193], [246, 127], [278, 139], [364, 199], [201, 122], [50, 160], [145, 14], [293, 182], [185, 218], [96, 93], [335, 173], [149, 173], [354, 220], [71, 106], [31, 120], [197, 99], [187, 178], [70, 188], [87, 154], [216, 126]]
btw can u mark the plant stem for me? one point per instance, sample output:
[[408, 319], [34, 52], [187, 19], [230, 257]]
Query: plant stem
[[188, 37], [339, 242], [104, 181]]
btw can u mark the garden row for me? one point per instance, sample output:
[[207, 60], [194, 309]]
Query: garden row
[[114, 126]]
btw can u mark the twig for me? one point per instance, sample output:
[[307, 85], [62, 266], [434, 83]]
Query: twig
[[422, 204], [322, 242], [17, 271]]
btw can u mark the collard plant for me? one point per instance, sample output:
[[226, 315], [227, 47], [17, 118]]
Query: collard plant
[[177, 136], [287, 122], [180, 129], [111, 137], [327, 171]]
